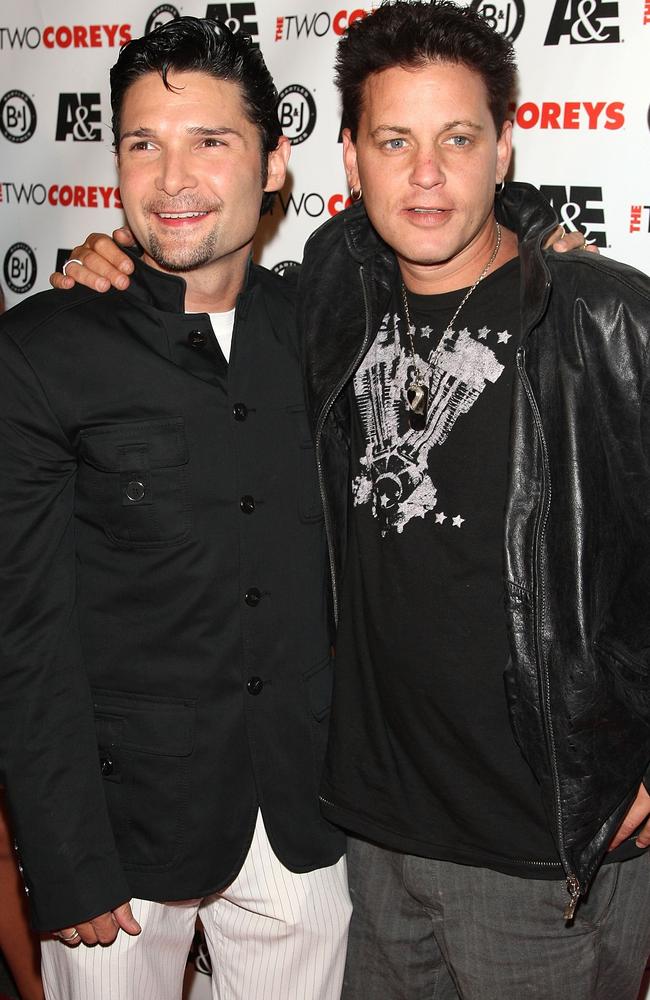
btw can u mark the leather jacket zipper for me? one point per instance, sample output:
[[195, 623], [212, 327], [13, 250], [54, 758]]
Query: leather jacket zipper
[[572, 882], [319, 431]]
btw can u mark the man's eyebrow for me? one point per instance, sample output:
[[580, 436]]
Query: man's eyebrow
[[394, 129], [446, 126], [202, 130], [208, 130]]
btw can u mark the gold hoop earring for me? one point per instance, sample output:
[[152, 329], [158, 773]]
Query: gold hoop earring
[[356, 195]]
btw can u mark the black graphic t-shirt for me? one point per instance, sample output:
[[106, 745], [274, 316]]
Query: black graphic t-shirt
[[421, 728]]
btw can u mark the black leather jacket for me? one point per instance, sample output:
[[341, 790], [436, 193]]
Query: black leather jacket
[[577, 523]]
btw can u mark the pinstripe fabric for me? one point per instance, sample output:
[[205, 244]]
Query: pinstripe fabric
[[276, 935], [271, 934]]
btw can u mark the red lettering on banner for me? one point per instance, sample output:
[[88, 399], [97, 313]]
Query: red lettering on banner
[[81, 196], [279, 28], [570, 115], [550, 115], [593, 112], [635, 219], [337, 203], [341, 21], [646, 13], [82, 36], [615, 116], [527, 115]]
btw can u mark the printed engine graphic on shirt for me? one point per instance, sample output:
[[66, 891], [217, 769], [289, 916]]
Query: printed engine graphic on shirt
[[395, 476]]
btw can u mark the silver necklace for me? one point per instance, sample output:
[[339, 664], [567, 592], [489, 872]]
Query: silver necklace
[[417, 392]]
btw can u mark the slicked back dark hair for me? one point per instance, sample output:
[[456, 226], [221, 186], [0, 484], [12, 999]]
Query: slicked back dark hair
[[201, 45], [411, 34]]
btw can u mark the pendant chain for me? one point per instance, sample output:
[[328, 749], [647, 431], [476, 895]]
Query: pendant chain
[[417, 376]]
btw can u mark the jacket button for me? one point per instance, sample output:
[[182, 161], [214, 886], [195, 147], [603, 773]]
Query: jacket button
[[253, 597], [197, 338], [240, 411], [254, 685], [247, 504], [135, 490], [106, 764]]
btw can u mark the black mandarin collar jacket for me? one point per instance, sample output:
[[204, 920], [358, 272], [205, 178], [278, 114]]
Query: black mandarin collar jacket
[[164, 652]]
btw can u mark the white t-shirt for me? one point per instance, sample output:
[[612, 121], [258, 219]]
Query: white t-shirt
[[222, 324]]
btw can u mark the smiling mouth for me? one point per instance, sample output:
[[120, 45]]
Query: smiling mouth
[[181, 215]]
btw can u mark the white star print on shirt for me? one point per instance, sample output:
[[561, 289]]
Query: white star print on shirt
[[457, 521], [503, 337], [441, 517]]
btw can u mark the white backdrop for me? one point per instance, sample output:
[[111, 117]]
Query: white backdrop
[[582, 131], [582, 123]]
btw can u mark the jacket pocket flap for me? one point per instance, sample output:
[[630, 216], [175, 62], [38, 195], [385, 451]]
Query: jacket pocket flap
[[116, 447], [159, 726]]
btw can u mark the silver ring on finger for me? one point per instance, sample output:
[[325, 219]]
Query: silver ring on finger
[[72, 260], [70, 937]]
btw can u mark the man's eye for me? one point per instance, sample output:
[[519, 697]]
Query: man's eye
[[142, 144], [395, 144], [459, 141], [212, 143]]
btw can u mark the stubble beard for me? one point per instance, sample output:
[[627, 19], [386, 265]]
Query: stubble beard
[[180, 258]]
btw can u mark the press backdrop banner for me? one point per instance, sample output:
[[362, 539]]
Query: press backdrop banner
[[582, 126], [582, 130]]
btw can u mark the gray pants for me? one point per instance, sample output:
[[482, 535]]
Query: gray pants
[[433, 930]]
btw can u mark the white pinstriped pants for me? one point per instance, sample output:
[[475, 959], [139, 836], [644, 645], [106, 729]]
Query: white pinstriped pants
[[271, 934]]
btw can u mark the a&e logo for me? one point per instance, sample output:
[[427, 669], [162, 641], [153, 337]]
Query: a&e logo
[[20, 268], [236, 17], [580, 209], [296, 113], [504, 16], [79, 116], [584, 21], [17, 116]]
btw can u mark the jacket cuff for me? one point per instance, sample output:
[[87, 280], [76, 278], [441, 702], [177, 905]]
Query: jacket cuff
[[646, 780]]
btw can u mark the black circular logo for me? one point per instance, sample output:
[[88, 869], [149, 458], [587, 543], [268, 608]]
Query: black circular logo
[[297, 113], [505, 16], [162, 14], [17, 116], [284, 266], [20, 268]]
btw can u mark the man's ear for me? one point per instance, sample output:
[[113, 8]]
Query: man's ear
[[504, 152], [276, 164], [350, 160]]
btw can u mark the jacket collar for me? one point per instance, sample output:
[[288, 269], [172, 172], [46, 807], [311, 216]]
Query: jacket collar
[[167, 291]]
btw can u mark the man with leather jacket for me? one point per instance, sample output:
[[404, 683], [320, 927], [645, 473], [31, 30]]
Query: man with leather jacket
[[479, 416]]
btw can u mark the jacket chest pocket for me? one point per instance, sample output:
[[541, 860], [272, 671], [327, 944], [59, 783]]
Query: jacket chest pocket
[[133, 478]]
